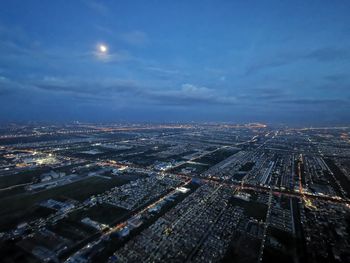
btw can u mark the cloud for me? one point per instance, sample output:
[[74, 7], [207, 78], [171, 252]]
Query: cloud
[[337, 77], [191, 94], [105, 30], [8, 86], [136, 38], [343, 87], [97, 6], [14, 42], [163, 70], [264, 94], [336, 82], [267, 64], [315, 102], [113, 57], [31, 55], [328, 54], [4, 88], [325, 54], [104, 88], [131, 90]]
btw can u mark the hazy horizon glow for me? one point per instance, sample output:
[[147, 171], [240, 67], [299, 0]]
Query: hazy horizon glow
[[235, 61]]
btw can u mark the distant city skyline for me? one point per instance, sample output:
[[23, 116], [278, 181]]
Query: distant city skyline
[[175, 61]]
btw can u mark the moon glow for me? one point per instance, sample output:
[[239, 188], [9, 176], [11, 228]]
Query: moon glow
[[103, 48]]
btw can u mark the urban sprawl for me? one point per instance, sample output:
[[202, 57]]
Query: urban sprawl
[[211, 192]]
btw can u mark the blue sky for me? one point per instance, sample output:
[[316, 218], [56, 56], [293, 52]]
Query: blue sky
[[235, 61]]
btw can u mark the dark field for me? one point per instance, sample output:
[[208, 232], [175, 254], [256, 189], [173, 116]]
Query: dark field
[[251, 208], [104, 213], [22, 204]]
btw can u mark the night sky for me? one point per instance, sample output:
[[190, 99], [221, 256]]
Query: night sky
[[168, 61]]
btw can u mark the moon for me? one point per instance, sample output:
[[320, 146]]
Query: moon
[[103, 48]]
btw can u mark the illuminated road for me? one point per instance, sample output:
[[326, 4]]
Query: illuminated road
[[260, 188]]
